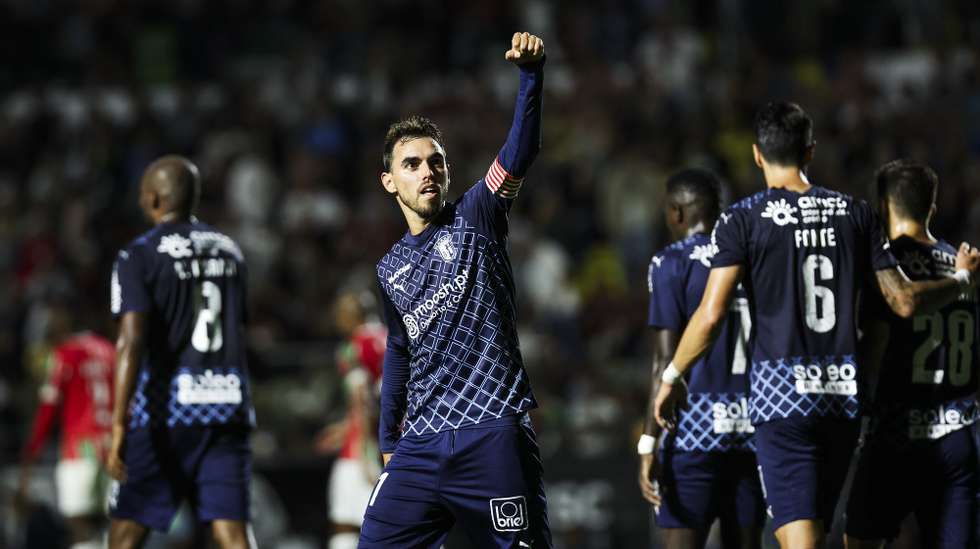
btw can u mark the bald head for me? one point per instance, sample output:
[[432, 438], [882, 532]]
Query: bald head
[[170, 188]]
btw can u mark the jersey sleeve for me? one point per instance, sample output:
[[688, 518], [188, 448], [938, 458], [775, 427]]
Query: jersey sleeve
[[49, 396], [129, 291], [881, 256], [492, 196], [730, 239], [665, 281], [394, 378]]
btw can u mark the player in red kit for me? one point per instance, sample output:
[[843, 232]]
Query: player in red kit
[[77, 395]]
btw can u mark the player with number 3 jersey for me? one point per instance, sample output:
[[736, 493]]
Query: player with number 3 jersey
[[803, 253], [183, 413]]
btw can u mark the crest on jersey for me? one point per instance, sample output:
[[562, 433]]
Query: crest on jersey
[[176, 246], [445, 247], [781, 212], [916, 263]]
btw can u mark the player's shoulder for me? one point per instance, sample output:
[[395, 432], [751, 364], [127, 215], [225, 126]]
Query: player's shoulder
[[674, 258], [209, 240]]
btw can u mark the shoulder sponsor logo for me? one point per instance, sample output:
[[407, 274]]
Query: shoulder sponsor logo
[[509, 514], [209, 388], [175, 245], [820, 209], [395, 275], [444, 246], [210, 243], [448, 295], [781, 212], [703, 253]]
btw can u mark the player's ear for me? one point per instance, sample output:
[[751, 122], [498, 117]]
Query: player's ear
[[757, 155], [388, 182]]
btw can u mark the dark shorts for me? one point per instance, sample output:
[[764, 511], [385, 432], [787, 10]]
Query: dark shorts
[[487, 478], [935, 480], [209, 467], [699, 487], [803, 462]]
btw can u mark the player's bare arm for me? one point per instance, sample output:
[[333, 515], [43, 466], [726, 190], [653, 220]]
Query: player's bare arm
[[129, 351], [700, 333], [907, 298], [664, 346]]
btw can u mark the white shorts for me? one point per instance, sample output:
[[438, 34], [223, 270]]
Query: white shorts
[[81, 485], [349, 491]]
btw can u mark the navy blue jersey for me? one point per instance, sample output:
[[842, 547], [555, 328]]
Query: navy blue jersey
[[928, 379], [189, 280], [452, 356], [717, 414], [806, 257]]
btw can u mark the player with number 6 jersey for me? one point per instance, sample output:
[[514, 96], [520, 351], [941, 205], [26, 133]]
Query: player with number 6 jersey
[[182, 419], [803, 253], [926, 395]]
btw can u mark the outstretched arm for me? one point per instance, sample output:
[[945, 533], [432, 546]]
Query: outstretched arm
[[701, 332], [907, 298], [524, 139]]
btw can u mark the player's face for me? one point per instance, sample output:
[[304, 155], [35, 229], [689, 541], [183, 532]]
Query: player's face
[[419, 176]]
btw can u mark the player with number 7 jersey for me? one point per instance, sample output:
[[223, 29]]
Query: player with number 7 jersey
[[181, 424], [803, 253]]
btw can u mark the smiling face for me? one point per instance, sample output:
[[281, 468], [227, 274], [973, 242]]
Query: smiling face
[[419, 178]]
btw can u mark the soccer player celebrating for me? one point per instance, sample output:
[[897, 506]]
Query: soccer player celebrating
[[926, 394], [802, 252], [707, 467], [181, 421], [77, 394], [454, 430]]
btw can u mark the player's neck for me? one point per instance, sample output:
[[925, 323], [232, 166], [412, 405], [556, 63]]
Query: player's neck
[[915, 230], [783, 177]]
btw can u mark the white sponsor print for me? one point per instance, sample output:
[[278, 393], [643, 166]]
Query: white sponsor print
[[395, 275], [509, 514], [175, 245], [934, 423], [444, 246], [449, 294], [816, 209], [781, 212], [210, 243], [209, 388], [831, 379], [732, 417], [703, 254]]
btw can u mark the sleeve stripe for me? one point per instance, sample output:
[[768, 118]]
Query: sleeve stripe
[[502, 183]]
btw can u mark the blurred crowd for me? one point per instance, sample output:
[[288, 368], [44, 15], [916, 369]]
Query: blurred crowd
[[283, 104]]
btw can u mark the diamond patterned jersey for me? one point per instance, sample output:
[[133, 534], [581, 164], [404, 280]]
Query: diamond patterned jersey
[[717, 416], [451, 289], [928, 386], [188, 279], [805, 258]]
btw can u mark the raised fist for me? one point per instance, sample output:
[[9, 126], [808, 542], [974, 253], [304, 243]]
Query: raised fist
[[524, 48]]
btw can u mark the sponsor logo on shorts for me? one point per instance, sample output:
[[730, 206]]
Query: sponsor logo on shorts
[[209, 388], [830, 379], [934, 423], [731, 417], [509, 514]]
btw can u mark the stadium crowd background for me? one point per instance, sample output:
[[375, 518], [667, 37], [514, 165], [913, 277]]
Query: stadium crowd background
[[284, 104]]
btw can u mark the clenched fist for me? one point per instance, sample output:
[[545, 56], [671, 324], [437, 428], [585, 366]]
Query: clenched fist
[[524, 48]]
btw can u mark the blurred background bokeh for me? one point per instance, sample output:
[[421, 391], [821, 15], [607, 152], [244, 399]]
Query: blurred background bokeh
[[283, 105]]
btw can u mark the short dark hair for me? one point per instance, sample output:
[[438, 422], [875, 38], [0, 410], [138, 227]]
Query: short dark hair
[[700, 182], [911, 186], [409, 128], [783, 133]]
